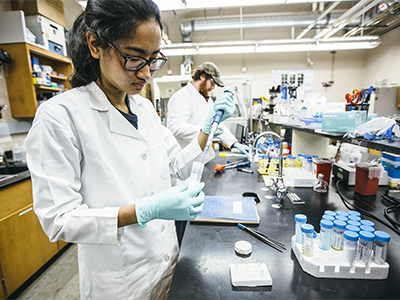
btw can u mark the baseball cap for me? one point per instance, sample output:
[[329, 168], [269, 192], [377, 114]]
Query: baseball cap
[[212, 70]]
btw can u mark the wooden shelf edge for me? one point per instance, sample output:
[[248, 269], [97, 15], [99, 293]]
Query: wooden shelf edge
[[48, 88], [48, 53]]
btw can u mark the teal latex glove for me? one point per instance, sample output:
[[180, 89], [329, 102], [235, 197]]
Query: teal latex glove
[[181, 203], [224, 102], [218, 132], [242, 148]]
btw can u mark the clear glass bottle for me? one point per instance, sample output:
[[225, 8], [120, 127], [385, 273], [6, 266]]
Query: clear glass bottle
[[321, 186]]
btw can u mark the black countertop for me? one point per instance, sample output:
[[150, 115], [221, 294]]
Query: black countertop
[[13, 174], [207, 250]]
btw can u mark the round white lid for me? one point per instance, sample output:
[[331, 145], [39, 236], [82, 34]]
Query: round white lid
[[243, 247]]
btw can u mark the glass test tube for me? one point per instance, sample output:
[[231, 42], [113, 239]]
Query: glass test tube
[[379, 250], [300, 219], [337, 235], [197, 172], [350, 246], [325, 235], [364, 246], [307, 241]]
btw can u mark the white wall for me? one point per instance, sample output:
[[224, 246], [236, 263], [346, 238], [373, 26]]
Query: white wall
[[384, 61]]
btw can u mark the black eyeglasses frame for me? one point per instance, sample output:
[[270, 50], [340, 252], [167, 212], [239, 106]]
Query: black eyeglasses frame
[[146, 61]]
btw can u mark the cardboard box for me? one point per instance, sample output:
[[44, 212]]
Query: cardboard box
[[342, 121], [51, 9]]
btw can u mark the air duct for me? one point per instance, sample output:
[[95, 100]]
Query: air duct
[[259, 22]]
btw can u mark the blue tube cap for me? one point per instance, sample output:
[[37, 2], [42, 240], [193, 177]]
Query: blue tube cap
[[300, 218], [353, 228], [326, 224], [367, 228], [351, 236], [354, 218], [382, 236], [328, 218], [339, 224], [330, 213], [342, 213], [307, 228], [368, 223], [354, 223], [367, 236], [354, 213]]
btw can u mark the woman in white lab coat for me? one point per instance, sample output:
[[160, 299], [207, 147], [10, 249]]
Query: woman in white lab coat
[[101, 161]]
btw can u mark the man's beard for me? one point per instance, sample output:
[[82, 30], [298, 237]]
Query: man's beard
[[203, 89]]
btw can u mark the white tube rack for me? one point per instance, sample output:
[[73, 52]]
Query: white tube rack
[[331, 264]]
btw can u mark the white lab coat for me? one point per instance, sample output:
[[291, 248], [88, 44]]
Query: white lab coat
[[187, 111], [86, 161]]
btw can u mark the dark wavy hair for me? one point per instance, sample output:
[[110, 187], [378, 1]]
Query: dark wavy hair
[[110, 20]]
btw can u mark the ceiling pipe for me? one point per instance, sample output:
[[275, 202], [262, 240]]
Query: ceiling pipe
[[259, 22]]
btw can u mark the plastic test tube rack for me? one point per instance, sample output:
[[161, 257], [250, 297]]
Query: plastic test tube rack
[[332, 264]]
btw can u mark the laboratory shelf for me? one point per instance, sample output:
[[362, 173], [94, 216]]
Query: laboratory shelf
[[380, 145]]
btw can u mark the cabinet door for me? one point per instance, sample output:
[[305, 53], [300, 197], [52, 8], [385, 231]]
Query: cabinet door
[[24, 247], [3, 294]]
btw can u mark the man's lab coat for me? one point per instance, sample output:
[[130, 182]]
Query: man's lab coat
[[86, 161], [187, 111]]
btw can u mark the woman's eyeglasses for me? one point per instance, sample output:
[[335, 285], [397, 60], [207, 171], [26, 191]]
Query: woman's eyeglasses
[[135, 63]]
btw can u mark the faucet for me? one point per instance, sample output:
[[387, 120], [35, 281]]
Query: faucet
[[279, 184]]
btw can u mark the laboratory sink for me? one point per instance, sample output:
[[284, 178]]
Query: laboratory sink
[[13, 173], [12, 169]]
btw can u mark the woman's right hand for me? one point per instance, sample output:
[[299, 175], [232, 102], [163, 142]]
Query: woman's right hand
[[181, 203]]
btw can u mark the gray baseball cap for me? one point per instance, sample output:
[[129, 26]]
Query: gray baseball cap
[[212, 70]]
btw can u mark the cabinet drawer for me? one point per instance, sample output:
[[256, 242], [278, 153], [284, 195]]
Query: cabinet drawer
[[24, 247]]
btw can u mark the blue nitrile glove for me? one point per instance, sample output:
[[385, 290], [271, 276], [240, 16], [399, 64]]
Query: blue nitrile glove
[[179, 203], [242, 148], [224, 102]]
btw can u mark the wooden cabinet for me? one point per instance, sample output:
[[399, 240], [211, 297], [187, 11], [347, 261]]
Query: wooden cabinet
[[24, 247], [22, 93]]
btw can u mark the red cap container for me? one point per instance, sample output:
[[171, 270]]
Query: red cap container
[[323, 166], [367, 178]]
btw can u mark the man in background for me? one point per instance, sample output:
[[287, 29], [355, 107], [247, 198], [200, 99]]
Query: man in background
[[190, 106]]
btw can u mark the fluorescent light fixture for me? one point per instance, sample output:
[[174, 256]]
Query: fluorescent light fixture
[[202, 4], [268, 46]]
